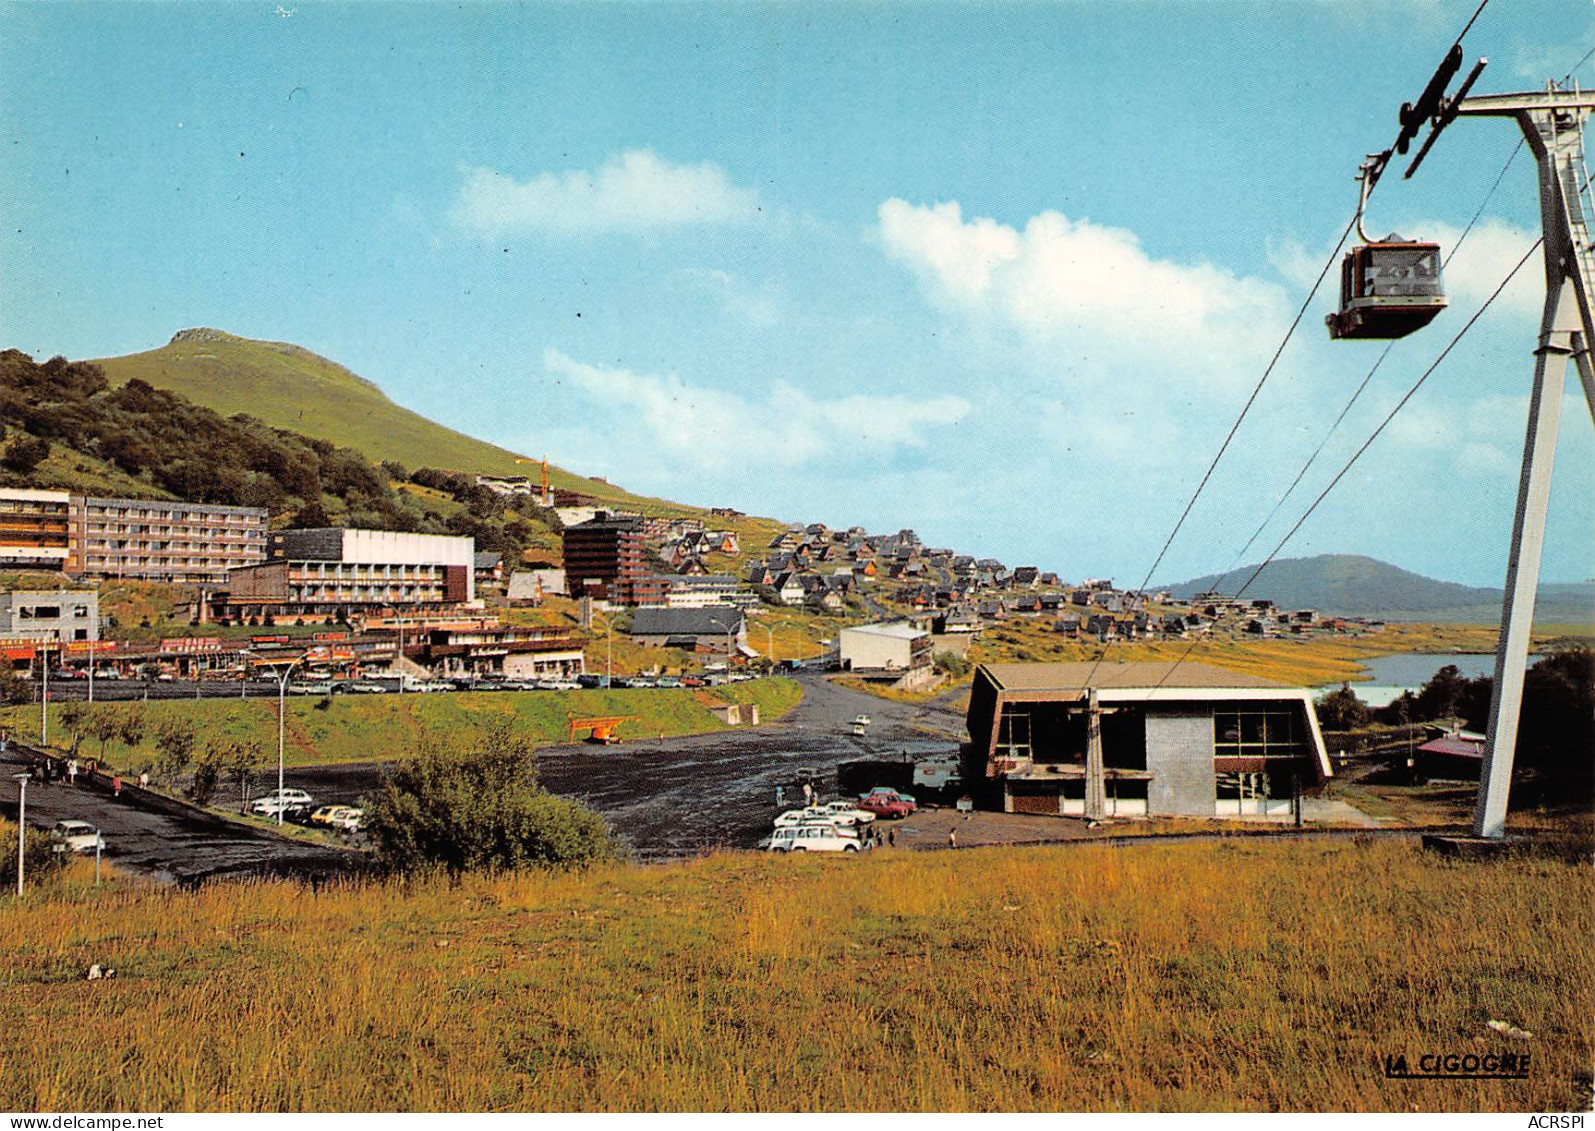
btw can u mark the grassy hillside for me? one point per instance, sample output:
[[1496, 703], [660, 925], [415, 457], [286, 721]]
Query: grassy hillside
[[1202, 976], [1357, 586], [364, 728], [288, 386]]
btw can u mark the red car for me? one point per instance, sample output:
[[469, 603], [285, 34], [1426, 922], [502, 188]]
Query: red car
[[886, 805]]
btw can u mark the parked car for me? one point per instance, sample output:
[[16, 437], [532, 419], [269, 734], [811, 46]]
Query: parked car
[[561, 684], [847, 813], [812, 838], [76, 836], [885, 802], [349, 820], [310, 687], [369, 687], [888, 792], [270, 804], [813, 814], [298, 813], [324, 814]]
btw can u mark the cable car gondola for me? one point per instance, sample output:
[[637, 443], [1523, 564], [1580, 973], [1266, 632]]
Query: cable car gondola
[[1388, 289]]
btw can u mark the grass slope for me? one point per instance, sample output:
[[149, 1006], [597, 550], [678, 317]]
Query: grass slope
[[290, 387], [365, 728], [1202, 976]]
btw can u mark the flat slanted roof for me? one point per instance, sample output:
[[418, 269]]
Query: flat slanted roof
[[1140, 674]]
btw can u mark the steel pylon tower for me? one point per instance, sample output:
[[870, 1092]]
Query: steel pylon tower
[[1552, 121]]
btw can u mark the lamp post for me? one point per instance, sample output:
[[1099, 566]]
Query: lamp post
[[282, 702], [22, 826], [769, 643], [609, 650], [44, 696]]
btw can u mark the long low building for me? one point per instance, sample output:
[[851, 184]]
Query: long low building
[[1141, 739]]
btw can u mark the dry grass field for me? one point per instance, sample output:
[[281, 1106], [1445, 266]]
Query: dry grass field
[[1251, 975]]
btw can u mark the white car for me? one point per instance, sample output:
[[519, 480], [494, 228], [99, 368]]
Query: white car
[[846, 813], [813, 815], [76, 836], [347, 820], [277, 800], [813, 838]]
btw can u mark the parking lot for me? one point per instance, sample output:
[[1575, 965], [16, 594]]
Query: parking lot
[[666, 798]]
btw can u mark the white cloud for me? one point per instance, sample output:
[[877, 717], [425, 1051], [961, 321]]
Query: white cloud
[[692, 426], [634, 192], [1060, 278]]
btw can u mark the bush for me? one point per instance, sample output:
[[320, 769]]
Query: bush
[[480, 809], [24, 454], [42, 862]]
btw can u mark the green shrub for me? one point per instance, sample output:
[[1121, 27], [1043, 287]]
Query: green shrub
[[480, 809]]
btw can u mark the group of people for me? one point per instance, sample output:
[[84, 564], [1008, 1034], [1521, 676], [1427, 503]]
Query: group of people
[[52, 769]]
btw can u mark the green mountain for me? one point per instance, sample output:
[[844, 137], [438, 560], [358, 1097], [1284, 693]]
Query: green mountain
[[288, 386], [1350, 585]]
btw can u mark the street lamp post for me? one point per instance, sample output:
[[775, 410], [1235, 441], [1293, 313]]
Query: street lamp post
[[769, 643], [609, 651], [44, 697], [22, 826], [282, 703]]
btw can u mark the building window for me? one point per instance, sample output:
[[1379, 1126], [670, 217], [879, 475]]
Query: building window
[[1013, 734], [1256, 734]]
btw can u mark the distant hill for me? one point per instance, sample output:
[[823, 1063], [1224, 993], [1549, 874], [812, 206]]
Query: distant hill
[[288, 386], [1350, 585]]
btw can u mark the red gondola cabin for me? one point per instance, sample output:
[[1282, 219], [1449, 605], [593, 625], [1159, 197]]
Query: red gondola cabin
[[1388, 289]]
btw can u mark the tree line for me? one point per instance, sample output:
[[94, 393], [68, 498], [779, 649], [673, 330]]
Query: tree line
[[194, 453]]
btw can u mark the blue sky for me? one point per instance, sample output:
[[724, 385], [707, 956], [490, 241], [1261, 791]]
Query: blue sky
[[1001, 272]]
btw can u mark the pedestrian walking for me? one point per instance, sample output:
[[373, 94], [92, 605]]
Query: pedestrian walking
[[143, 779], [780, 796], [952, 838], [891, 838], [72, 771], [116, 785]]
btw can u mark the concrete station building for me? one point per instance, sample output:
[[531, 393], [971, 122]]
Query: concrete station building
[[1182, 739], [61, 616]]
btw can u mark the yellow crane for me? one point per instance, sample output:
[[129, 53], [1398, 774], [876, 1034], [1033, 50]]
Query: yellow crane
[[543, 496]]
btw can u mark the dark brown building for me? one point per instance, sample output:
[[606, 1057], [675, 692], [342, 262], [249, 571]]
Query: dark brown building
[[604, 559]]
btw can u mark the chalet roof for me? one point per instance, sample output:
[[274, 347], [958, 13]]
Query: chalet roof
[[1140, 674]]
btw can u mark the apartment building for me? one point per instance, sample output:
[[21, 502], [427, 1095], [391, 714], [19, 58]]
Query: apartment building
[[154, 540], [335, 572], [604, 559], [34, 528]]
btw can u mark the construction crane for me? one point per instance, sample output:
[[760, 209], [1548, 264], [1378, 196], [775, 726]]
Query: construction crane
[[543, 498], [601, 727]]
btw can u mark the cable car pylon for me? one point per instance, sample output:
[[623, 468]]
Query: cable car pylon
[[1552, 121]]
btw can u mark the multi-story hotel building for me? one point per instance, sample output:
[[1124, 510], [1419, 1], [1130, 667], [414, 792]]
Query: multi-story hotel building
[[604, 559], [34, 528], [332, 572], [156, 540]]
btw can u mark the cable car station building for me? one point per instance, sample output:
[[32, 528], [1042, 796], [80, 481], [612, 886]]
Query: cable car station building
[[1140, 739]]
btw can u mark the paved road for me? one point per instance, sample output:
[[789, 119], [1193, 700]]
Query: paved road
[[666, 798], [684, 795], [128, 690], [163, 839]]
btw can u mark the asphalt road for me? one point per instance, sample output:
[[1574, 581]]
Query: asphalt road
[[167, 841], [665, 798], [684, 795], [129, 690]]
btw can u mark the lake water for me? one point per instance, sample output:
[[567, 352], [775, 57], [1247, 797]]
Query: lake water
[[1408, 671]]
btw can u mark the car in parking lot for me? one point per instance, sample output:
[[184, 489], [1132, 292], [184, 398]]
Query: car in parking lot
[[847, 813], [887, 803], [812, 838], [279, 801], [76, 836]]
